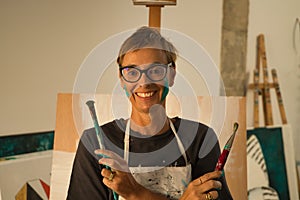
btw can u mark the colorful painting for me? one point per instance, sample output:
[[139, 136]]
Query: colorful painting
[[34, 190], [271, 164], [25, 160]]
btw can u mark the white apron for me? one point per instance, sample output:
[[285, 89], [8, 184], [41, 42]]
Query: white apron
[[170, 181]]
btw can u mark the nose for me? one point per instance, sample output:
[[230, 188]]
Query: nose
[[144, 80]]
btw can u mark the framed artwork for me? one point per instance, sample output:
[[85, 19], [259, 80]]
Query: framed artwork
[[25, 165]]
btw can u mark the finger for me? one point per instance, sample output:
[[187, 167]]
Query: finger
[[109, 183], [210, 185], [114, 164], [113, 180], [211, 195], [207, 177], [106, 173], [112, 160], [211, 175], [110, 154]]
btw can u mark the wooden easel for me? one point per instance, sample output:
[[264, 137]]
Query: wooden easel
[[154, 9], [263, 89]]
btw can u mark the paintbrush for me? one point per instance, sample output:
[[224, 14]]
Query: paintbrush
[[91, 106], [224, 155]]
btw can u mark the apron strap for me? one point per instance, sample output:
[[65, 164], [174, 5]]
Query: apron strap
[[126, 141], [180, 145]]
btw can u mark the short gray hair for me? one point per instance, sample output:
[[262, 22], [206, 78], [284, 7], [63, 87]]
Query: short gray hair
[[147, 37]]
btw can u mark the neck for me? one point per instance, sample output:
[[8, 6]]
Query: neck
[[153, 123]]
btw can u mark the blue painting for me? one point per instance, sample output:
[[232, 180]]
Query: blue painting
[[265, 146]]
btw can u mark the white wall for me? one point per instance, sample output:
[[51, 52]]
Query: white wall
[[43, 44], [276, 19]]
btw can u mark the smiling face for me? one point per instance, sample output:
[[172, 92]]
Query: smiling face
[[145, 93]]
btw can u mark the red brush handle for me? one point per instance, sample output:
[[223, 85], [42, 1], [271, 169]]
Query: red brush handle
[[222, 160], [223, 157]]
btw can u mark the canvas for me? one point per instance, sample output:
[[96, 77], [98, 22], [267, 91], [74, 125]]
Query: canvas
[[271, 164]]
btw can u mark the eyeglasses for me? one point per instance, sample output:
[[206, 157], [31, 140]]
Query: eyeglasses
[[155, 72]]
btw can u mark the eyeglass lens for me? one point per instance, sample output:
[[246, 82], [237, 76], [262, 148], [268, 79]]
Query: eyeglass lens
[[155, 73]]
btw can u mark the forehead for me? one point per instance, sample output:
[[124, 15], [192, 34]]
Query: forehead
[[144, 56]]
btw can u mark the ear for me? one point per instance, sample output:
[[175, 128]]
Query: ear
[[172, 74]]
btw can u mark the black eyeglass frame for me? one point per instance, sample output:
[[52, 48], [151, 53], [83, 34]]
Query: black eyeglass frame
[[144, 71]]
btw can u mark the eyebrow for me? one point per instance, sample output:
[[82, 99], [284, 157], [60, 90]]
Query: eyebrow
[[134, 65]]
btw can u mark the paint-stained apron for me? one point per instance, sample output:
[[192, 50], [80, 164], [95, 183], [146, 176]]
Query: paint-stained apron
[[169, 181]]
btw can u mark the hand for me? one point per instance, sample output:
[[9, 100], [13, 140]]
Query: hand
[[204, 187], [118, 177]]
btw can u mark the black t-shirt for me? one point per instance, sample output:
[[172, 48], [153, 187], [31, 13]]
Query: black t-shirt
[[200, 142]]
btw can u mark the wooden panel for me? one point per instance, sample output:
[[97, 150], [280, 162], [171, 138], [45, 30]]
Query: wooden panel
[[236, 168], [66, 135]]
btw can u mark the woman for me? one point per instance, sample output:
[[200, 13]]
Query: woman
[[148, 156]]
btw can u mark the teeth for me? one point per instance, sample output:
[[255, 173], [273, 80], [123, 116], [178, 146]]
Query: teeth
[[145, 94]]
